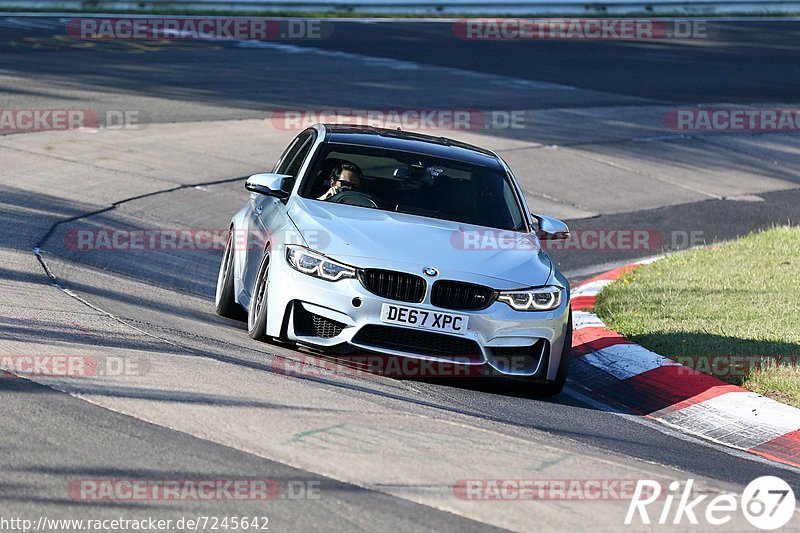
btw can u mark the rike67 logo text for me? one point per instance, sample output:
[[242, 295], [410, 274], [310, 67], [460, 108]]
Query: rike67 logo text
[[767, 502]]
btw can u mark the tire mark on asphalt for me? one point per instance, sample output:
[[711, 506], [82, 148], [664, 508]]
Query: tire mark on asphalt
[[118, 203], [39, 252]]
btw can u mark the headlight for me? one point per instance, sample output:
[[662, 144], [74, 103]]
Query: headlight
[[317, 265], [543, 299]]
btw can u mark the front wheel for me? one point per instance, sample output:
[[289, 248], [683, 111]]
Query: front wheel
[[257, 315], [554, 387]]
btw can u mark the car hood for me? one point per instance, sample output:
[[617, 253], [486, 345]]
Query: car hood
[[373, 238]]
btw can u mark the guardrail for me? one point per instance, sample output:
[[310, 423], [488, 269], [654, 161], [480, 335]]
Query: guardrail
[[488, 7]]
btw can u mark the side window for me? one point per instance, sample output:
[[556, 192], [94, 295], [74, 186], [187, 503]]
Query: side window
[[288, 155], [293, 158], [290, 150], [297, 161]]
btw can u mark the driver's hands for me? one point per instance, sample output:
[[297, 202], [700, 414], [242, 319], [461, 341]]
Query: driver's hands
[[333, 191]]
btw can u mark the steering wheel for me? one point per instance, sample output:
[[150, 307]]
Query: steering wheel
[[353, 198]]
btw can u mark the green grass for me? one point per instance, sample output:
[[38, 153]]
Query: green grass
[[740, 298]]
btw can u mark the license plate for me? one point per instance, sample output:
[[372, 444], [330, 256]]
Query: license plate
[[424, 319]]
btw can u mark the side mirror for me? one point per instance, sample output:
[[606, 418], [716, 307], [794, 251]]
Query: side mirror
[[550, 229], [269, 184]]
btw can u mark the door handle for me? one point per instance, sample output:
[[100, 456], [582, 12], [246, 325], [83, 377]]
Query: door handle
[[259, 209]]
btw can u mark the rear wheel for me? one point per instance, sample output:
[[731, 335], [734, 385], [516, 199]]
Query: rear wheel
[[224, 300], [257, 316]]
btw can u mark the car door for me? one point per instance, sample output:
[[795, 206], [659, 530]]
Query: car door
[[267, 214]]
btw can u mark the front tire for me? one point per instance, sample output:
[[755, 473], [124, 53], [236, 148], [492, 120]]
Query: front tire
[[553, 388], [257, 315], [224, 299]]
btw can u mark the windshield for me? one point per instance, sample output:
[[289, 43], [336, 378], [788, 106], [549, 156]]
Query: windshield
[[414, 184]]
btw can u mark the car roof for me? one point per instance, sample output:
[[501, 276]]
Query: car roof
[[407, 141]]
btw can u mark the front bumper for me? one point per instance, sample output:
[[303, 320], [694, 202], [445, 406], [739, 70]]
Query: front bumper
[[511, 342]]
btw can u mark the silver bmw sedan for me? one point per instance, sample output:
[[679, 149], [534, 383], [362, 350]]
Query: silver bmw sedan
[[367, 240]]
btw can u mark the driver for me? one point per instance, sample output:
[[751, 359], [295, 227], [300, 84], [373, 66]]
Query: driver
[[344, 177]]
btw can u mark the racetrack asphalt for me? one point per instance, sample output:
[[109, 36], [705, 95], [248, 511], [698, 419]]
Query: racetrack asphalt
[[385, 452]]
